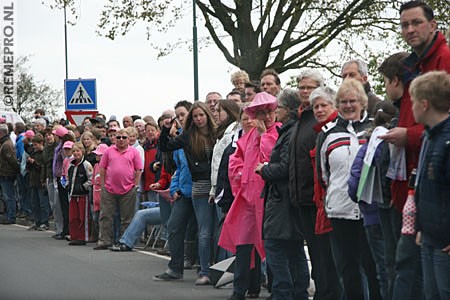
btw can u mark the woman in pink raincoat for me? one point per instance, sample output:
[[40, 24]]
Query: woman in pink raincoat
[[242, 229]]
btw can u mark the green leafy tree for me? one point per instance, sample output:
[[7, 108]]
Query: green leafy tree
[[33, 94], [284, 34]]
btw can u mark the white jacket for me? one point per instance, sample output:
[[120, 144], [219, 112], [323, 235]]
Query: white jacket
[[219, 147]]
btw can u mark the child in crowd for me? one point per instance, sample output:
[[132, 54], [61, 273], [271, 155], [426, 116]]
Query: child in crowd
[[368, 191], [67, 151], [97, 190], [430, 94], [39, 198], [79, 185]]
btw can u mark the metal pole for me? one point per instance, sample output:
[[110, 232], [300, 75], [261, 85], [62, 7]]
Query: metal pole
[[195, 50], [65, 41]]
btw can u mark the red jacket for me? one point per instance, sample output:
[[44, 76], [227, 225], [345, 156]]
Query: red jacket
[[436, 58], [323, 224]]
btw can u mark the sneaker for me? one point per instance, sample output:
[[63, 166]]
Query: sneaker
[[203, 280], [164, 251], [120, 248], [188, 264], [43, 227], [32, 227], [167, 277]]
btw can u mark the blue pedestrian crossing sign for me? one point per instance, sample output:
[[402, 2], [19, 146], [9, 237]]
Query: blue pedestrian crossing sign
[[81, 94]]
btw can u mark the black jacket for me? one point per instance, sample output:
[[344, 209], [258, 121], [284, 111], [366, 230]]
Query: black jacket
[[200, 167], [301, 173], [280, 215], [80, 178]]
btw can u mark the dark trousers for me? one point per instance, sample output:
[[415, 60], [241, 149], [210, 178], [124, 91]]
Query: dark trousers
[[352, 255], [330, 287], [323, 271], [287, 261], [408, 281], [182, 211], [391, 223], [246, 279], [64, 203]]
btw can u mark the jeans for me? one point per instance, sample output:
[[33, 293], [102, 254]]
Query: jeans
[[436, 272], [23, 194], [182, 211], [55, 206], [7, 186], [352, 255], [205, 214], [39, 204], [376, 244], [141, 219], [165, 210], [408, 281], [246, 279], [287, 262], [391, 223]]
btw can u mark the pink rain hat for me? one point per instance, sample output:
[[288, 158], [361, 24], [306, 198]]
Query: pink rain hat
[[101, 149], [60, 131], [68, 145], [29, 134], [262, 101], [2, 120]]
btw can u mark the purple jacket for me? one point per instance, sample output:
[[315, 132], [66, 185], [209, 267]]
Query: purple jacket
[[369, 211]]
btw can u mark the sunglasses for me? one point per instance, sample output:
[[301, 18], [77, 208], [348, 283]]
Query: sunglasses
[[121, 137]]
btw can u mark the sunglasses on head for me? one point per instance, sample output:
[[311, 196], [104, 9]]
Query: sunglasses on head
[[121, 137]]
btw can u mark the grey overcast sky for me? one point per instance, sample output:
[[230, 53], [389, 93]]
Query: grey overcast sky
[[130, 80]]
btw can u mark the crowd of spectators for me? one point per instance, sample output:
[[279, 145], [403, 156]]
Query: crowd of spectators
[[364, 183]]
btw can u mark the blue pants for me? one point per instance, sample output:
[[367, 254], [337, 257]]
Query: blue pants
[[391, 223], [23, 194], [408, 281], [7, 186], [182, 211], [436, 272], [205, 214], [141, 219], [376, 244], [287, 262], [40, 205]]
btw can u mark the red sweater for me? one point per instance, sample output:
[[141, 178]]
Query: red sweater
[[436, 58]]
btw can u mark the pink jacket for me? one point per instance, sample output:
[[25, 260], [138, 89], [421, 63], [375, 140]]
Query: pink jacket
[[243, 223]]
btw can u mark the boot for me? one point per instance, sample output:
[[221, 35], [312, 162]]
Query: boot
[[190, 255]]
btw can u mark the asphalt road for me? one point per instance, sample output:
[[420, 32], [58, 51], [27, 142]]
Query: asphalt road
[[35, 266]]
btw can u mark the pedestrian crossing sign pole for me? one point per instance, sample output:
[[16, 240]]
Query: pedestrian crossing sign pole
[[80, 94]]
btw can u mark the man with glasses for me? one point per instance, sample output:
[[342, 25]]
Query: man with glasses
[[120, 172], [357, 69], [429, 52]]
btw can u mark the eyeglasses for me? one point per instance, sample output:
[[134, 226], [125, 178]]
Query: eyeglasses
[[307, 88], [121, 137]]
